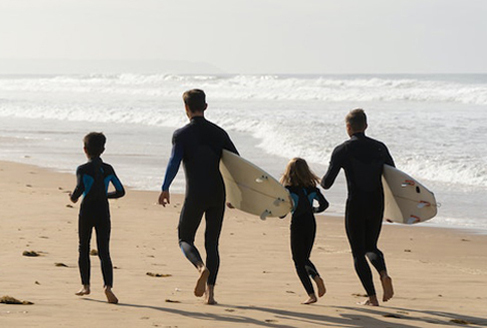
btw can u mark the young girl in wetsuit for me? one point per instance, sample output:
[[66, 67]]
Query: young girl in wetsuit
[[301, 184]]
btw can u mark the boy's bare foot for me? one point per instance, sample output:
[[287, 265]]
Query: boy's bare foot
[[110, 295], [210, 295], [85, 290], [372, 301], [200, 288], [321, 286], [387, 287], [312, 299]]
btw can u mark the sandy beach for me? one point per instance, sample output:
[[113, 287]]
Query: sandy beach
[[440, 275]]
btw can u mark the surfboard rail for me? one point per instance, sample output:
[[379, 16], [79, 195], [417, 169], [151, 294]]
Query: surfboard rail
[[251, 189], [406, 200]]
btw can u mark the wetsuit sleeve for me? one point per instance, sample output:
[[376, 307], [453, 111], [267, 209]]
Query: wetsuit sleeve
[[119, 190], [333, 169], [323, 203], [230, 146], [388, 158], [80, 186], [174, 163]]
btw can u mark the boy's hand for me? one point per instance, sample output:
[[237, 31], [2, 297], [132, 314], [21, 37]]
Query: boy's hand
[[164, 198]]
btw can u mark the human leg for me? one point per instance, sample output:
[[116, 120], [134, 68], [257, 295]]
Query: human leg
[[299, 252], [214, 222], [189, 221], [354, 225], [85, 228]]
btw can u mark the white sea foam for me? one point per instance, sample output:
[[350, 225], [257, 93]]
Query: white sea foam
[[434, 126], [266, 87]]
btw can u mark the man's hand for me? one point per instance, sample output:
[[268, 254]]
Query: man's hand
[[164, 198]]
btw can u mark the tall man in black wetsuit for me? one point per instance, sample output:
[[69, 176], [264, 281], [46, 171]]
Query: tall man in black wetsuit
[[362, 159], [199, 146]]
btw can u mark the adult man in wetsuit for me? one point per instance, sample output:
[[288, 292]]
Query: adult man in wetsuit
[[199, 146], [362, 159]]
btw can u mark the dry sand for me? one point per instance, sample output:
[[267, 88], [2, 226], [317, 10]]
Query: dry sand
[[440, 275]]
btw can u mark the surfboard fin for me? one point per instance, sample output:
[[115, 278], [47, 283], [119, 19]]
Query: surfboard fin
[[423, 204], [278, 201], [265, 214]]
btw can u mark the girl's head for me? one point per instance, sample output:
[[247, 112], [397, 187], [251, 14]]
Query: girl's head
[[299, 174]]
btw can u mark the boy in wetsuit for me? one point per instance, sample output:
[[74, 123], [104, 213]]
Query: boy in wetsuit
[[362, 159], [93, 179], [199, 146]]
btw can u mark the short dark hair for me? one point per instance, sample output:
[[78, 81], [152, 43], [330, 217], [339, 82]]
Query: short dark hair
[[195, 99], [94, 144], [357, 119]]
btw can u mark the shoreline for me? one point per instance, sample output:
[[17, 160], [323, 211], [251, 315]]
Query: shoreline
[[439, 274]]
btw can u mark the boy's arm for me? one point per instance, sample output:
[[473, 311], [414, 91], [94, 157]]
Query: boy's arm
[[80, 187], [119, 190]]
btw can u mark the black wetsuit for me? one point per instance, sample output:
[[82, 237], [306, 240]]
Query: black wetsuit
[[93, 179], [362, 159], [303, 231], [199, 146]]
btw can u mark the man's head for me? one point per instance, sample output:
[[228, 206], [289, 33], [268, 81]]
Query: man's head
[[356, 121], [195, 102], [94, 144]]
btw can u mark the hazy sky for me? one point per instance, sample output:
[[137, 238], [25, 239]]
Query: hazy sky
[[255, 36]]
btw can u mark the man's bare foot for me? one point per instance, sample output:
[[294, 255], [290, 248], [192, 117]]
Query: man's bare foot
[[200, 288], [210, 295], [110, 295], [372, 301], [321, 286], [312, 299], [387, 287], [85, 290]]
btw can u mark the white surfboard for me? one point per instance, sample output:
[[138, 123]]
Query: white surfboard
[[405, 199], [251, 189]]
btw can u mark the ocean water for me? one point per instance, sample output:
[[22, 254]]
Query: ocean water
[[434, 126]]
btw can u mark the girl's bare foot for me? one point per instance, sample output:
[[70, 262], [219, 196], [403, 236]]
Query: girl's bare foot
[[312, 299], [110, 295], [85, 290], [321, 286], [200, 287]]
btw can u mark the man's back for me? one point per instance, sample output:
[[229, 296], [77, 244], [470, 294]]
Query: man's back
[[362, 159], [202, 143]]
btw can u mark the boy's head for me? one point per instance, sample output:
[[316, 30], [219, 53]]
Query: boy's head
[[195, 100], [356, 121], [94, 144]]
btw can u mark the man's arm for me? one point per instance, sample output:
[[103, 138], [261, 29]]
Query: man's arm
[[230, 146], [171, 171], [388, 157], [333, 170]]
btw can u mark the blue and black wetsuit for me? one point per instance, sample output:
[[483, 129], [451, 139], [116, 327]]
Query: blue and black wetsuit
[[93, 179], [303, 231], [199, 146], [362, 159]]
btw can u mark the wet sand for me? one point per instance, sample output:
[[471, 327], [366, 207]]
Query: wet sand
[[439, 275]]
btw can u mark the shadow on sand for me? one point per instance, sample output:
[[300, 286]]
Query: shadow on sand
[[354, 316]]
